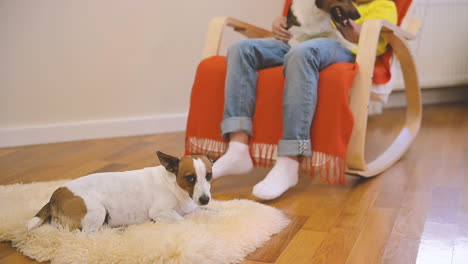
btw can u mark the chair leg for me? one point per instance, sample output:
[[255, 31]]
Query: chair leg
[[413, 113], [360, 93]]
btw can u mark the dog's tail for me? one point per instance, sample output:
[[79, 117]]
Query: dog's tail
[[41, 216]]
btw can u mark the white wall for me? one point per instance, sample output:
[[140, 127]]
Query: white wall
[[440, 49], [73, 69], [78, 69]]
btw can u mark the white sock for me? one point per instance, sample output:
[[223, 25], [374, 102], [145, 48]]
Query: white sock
[[281, 177], [236, 160]]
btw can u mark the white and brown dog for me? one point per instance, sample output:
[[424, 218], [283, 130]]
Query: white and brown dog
[[163, 194], [309, 19]]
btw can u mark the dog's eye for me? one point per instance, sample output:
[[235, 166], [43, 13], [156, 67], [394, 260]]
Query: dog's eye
[[190, 178], [209, 175]]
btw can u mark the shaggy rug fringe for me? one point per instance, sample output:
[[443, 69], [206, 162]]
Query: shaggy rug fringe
[[224, 232]]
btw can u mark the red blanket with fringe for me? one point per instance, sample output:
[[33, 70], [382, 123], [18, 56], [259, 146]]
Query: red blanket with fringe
[[331, 127], [330, 131]]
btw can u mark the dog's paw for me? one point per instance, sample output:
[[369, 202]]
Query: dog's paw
[[166, 219], [207, 209]]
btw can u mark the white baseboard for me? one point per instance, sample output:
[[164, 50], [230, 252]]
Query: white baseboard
[[30, 135], [431, 96], [19, 136]]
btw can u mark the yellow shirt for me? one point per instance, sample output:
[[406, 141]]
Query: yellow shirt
[[378, 9]]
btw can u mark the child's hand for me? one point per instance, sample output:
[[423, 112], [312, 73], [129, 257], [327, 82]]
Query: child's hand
[[350, 31], [280, 29]]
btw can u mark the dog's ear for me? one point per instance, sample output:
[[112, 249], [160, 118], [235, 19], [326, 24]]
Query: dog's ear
[[169, 162], [210, 159], [319, 4], [291, 19]]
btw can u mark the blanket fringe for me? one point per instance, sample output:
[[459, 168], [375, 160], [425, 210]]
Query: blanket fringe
[[263, 155], [198, 146], [329, 168]]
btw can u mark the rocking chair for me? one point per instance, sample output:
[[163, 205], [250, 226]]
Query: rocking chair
[[360, 92]]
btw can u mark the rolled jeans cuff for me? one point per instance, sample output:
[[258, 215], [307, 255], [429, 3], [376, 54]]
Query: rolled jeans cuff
[[294, 148], [236, 124]]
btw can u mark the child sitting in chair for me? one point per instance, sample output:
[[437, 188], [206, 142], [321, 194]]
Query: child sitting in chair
[[302, 64]]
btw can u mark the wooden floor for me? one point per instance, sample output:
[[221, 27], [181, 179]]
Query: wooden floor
[[415, 212]]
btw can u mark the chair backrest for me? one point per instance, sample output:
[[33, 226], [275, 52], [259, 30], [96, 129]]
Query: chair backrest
[[402, 8]]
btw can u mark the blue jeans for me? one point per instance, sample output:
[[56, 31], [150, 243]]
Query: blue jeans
[[302, 64]]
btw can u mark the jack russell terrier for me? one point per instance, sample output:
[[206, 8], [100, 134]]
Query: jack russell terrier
[[163, 194], [309, 19]]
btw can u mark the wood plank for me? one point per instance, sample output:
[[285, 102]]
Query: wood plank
[[445, 205], [17, 257], [359, 203], [7, 152], [400, 250], [395, 181], [325, 216], [337, 245], [374, 235], [437, 243], [416, 200], [273, 248], [460, 250], [451, 157], [412, 215], [314, 196], [6, 249], [302, 248], [254, 262]]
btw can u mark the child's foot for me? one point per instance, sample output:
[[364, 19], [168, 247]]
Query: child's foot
[[235, 161], [282, 176]]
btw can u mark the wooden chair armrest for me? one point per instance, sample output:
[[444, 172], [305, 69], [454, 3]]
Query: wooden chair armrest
[[388, 27], [216, 29], [248, 30], [371, 30], [413, 25]]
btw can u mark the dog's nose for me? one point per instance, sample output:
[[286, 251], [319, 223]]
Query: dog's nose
[[204, 200], [354, 15]]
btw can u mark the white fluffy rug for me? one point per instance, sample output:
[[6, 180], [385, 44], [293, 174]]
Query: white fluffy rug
[[224, 234]]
